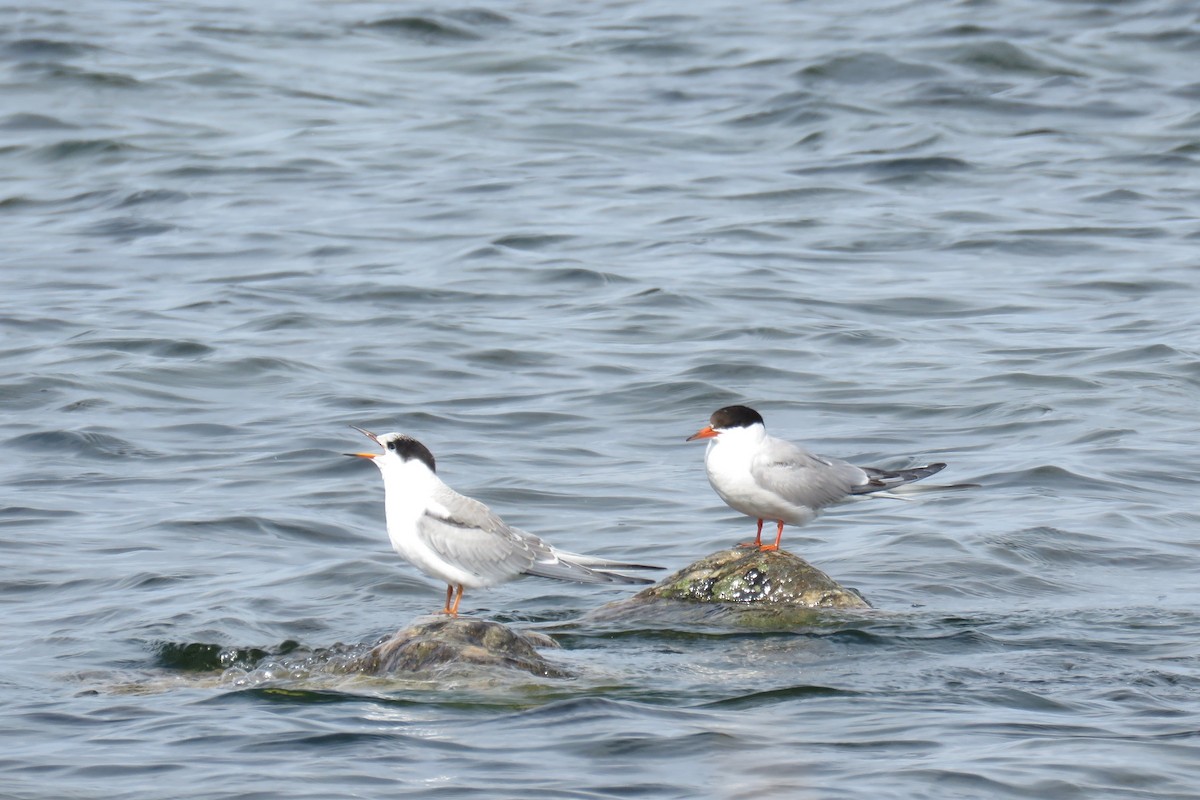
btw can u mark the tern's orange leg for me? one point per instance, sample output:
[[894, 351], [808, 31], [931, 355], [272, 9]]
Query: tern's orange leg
[[457, 600], [757, 539], [449, 595], [765, 548]]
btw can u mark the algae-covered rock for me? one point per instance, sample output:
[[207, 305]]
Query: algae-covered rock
[[475, 651], [461, 640], [742, 587], [749, 575]]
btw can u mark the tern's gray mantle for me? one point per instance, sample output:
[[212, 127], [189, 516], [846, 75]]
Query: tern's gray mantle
[[749, 576]]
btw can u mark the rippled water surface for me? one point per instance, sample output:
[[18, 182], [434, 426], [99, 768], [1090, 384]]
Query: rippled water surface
[[548, 240]]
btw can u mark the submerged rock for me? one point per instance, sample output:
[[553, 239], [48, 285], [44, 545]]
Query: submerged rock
[[748, 575], [476, 652], [452, 641]]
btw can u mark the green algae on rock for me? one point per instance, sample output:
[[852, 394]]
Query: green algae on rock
[[748, 575], [450, 641]]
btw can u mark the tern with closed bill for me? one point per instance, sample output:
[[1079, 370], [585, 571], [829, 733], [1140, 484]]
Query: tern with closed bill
[[772, 479]]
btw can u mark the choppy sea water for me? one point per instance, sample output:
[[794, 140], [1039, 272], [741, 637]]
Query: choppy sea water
[[548, 240]]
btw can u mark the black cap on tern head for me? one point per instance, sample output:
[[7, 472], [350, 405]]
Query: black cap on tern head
[[735, 417], [408, 449]]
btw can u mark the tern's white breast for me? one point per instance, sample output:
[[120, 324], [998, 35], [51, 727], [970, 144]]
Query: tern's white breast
[[409, 488], [728, 462]]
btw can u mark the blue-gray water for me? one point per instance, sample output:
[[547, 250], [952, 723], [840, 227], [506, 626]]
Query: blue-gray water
[[549, 239]]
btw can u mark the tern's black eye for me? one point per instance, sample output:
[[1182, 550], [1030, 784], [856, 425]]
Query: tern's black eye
[[391, 445]]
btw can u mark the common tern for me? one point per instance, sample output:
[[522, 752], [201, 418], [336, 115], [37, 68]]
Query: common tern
[[768, 478], [460, 540]]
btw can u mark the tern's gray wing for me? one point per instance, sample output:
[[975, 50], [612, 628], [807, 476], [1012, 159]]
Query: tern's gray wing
[[599, 561], [472, 537], [804, 478], [882, 480], [466, 511], [469, 535], [553, 563]]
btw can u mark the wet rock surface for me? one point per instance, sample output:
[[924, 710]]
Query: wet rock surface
[[748, 575], [476, 653], [742, 587], [441, 642], [739, 587]]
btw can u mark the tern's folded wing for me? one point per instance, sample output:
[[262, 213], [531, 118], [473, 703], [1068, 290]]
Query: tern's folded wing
[[550, 562], [494, 556], [881, 480], [803, 478]]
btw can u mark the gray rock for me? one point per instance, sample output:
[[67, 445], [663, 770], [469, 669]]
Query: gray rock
[[453, 641], [743, 585], [748, 575]]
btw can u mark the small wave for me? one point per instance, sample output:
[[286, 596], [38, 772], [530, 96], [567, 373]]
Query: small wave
[[67, 74], [34, 49], [1049, 476], [36, 392], [426, 29], [82, 148], [149, 196], [774, 696], [531, 242], [161, 348], [868, 67], [83, 443], [578, 276], [650, 47], [252, 527], [816, 194], [508, 358], [34, 122], [1004, 57], [1038, 381], [128, 228]]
